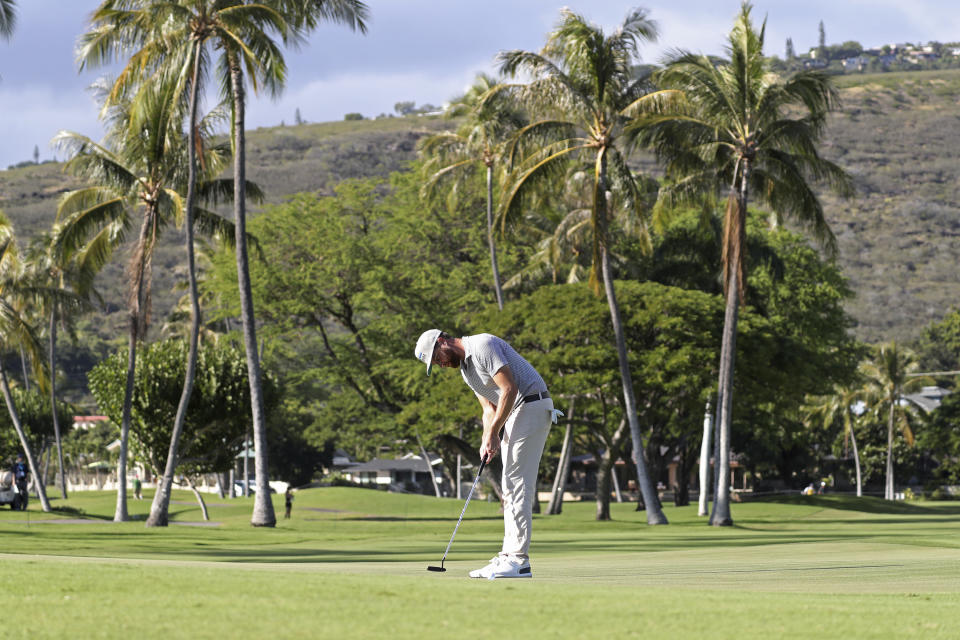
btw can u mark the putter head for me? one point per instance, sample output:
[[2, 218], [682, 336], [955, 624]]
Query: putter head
[[435, 569]]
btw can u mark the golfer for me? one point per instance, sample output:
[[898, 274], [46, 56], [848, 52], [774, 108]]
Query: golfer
[[514, 398]]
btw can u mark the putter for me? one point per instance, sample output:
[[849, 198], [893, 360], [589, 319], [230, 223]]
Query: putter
[[469, 495]]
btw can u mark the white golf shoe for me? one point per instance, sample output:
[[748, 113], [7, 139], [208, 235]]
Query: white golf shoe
[[501, 567]]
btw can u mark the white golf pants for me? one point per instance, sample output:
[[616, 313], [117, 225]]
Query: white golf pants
[[525, 435]]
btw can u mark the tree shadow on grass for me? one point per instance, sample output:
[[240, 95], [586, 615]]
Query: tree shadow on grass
[[864, 504], [417, 518]]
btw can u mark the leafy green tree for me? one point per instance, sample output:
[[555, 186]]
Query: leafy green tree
[[733, 125], [83, 446], [582, 94], [215, 422], [889, 378], [481, 141], [672, 340], [938, 348], [941, 437], [346, 284]]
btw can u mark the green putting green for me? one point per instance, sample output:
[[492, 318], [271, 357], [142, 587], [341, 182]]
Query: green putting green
[[352, 563]]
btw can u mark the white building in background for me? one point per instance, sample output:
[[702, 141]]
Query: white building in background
[[928, 399], [408, 473]]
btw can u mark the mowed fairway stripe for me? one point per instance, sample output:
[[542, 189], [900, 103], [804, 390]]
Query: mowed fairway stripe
[[814, 567], [59, 597]]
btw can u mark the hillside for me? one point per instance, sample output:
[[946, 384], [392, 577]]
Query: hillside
[[897, 133], [282, 160]]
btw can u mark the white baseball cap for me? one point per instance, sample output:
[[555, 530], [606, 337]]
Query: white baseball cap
[[425, 345]]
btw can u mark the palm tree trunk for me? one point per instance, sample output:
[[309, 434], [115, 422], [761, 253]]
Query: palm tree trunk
[[655, 513], [603, 484], [563, 467], [601, 199], [856, 461], [493, 246], [263, 513], [601, 196], [605, 471], [734, 234], [120, 515], [721, 504], [27, 451], [61, 477], [23, 366], [705, 462], [888, 486], [716, 445], [159, 508], [138, 304], [46, 463], [199, 497], [426, 459], [616, 482]]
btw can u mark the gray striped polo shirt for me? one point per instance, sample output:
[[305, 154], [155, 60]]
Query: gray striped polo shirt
[[485, 355]]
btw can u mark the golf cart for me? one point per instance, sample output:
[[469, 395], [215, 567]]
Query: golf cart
[[9, 494]]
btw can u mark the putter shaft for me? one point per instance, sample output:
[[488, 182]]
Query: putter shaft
[[460, 519]]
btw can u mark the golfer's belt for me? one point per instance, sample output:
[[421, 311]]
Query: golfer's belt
[[533, 397]]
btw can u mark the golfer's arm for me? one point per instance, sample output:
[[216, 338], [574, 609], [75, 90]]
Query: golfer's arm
[[508, 396]]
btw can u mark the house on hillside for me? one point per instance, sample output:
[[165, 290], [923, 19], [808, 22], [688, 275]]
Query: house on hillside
[[814, 63], [409, 474], [857, 63], [88, 422], [887, 60], [921, 56]]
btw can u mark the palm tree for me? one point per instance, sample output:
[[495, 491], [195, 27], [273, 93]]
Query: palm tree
[[582, 95], [65, 269], [480, 142], [140, 168], [8, 18], [734, 125], [246, 44], [241, 32], [890, 376], [839, 407], [15, 286]]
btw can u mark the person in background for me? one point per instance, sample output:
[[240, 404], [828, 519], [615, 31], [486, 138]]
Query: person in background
[[288, 500], [20, 471]]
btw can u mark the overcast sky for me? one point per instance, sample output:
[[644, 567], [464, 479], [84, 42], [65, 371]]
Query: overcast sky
[[422, 50]]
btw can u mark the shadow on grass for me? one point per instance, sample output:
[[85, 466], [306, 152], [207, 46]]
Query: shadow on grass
[[418, 519], [864, 505]]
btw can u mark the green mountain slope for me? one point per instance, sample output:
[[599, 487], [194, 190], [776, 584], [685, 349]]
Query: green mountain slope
[[897, 133]]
